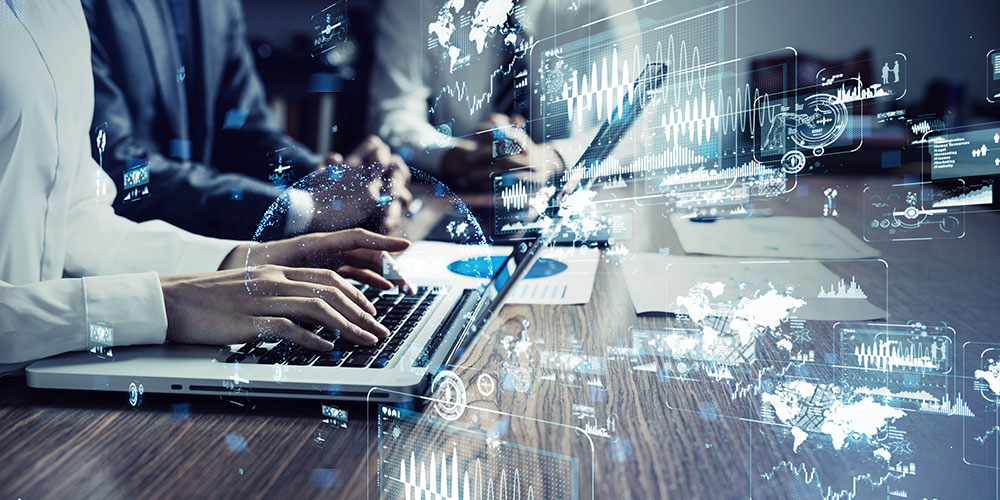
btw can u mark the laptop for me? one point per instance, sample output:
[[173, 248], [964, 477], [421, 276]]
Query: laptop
[[427, 330]]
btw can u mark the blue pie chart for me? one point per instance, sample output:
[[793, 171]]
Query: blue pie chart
[[483, 267]]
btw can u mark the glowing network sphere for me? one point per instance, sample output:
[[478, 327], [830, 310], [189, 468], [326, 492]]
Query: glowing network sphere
[[342, 200]]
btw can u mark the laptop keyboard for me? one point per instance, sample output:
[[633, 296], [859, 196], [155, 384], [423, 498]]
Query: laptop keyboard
[[398, 313]]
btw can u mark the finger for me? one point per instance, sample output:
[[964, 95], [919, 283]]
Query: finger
[[287, 329], [315, 310], [499, 119], [334, 158], [371, 150], [398, 182], [352, 239], [392, 218], [391, 272], [400, 168], [366, 276], [364, 258], [381, 263], [374, 190], [327, 278]]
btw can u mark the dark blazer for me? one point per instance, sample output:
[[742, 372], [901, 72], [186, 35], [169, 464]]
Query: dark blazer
[[221, 189]]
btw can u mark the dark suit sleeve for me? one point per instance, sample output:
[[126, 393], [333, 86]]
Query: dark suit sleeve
[[241, 89], [190, 195]]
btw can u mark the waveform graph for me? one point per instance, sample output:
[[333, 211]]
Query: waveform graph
[[517, 200], [584, 82], [911, 365], [479, 457], [827, 484], [514, 197]]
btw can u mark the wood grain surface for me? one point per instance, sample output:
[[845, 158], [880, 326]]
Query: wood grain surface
[[62, 444]]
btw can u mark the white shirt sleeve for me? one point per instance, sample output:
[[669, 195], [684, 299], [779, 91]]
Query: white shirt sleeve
[[66, 260], [51, 317], [119, 261], [98, 242], [398, 88]]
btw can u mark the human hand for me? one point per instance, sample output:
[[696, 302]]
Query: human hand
[[354, 253], [369, 184], [470, 163], [264, 289], [235, 305]]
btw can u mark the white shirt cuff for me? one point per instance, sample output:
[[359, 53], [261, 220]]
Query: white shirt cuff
[[130, 304]]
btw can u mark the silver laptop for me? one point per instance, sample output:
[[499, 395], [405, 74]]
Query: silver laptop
[[427, 330]]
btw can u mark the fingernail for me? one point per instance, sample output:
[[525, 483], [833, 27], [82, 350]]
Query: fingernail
[[327, 345], [371, 339]]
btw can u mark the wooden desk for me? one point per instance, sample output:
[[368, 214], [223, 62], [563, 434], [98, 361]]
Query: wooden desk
[[56, 444]]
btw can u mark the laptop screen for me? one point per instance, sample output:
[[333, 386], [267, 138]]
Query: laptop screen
[[607, 138]]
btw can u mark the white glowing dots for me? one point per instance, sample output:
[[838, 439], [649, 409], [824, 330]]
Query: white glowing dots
[[135, 394], [448, 391]]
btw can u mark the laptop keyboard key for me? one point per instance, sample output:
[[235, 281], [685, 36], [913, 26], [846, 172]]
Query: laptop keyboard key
[[301, 359], [250, 346], [332, 358], [357, 361], [371, 293]]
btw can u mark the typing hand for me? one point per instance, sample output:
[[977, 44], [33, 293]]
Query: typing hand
[[271, 288], [236, 305]]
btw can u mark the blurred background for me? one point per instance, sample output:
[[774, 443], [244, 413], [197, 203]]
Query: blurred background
[[945, 44]]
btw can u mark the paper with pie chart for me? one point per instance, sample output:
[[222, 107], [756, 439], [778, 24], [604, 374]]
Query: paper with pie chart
[[561, 276]]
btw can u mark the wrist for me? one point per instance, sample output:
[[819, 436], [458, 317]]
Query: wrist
[[236, 257]]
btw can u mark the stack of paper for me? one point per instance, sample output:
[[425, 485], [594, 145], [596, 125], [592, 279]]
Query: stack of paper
[[779, 237]]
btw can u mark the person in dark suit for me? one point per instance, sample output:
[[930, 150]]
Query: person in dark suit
[[176, 88]]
